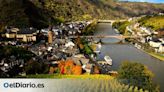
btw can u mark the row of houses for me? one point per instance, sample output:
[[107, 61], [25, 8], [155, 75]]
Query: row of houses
[[155, 39], [30, 34], [71, 28], [22, 34], [157, 44]]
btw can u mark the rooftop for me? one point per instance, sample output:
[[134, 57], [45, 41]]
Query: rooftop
[[27, 31]]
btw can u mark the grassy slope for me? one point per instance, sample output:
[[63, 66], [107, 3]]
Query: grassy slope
[[155, 22], [156, 55], [89, 83], [58, 76]]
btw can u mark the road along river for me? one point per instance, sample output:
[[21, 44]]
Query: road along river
[[123, 52]]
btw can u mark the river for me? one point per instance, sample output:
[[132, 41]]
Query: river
[[123, 52]]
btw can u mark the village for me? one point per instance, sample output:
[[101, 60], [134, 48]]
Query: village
[[53, 47], [52, 50]]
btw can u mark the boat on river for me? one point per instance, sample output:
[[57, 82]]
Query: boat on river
[[108, 60], [98, 48]]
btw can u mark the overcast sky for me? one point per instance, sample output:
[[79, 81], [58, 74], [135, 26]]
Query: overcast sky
[[152, 1]]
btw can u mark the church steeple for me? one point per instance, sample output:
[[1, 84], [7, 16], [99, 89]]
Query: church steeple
[[50, 35]]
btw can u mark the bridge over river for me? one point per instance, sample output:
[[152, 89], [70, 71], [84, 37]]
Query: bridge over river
[[109, 21], [120, 37]]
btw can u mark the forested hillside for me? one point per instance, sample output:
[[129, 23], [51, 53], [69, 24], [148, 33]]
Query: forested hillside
[[41, 13]]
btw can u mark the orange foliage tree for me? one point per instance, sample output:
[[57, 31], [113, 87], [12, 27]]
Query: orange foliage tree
[[68, 67], [61, 66], [77, 70]]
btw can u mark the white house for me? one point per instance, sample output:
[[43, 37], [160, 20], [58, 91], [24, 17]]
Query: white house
[[129, 29], [155, 44], [162, 40], [49, 48], [70, 44], [136, 25], [147, 31], [130, 19], [161, 48], [143, 40]]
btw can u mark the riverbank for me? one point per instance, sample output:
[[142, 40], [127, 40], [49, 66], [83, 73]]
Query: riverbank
[[156, 55], [153, 54], [149, 51], [90, 29]]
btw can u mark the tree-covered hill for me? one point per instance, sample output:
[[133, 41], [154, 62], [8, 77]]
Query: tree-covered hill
[[104, 9], [21, 13], [41, 13]]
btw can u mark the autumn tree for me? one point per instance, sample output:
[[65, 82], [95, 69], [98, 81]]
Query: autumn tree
[[61, 66], [68, 66], [77, 70]]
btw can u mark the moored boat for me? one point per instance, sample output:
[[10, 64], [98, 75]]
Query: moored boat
[[108, 60]]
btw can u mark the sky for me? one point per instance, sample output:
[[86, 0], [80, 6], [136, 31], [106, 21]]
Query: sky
[[152, 1]]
